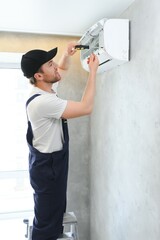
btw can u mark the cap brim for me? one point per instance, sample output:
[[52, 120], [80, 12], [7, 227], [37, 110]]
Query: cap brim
[[52, 53]]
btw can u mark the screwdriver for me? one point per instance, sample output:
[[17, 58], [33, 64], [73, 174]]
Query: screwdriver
[[81, 47]]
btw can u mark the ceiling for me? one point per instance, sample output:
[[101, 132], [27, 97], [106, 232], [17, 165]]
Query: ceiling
[[62, 17]]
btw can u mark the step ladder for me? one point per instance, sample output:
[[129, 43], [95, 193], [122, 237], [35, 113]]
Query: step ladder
[[70, 225]]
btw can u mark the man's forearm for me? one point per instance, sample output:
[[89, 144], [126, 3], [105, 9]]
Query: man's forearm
[[89, 93], [64, 62]]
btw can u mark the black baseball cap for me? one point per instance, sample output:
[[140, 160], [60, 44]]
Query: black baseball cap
[[34, 59]]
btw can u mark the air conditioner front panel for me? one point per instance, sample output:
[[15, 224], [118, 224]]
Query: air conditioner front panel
[[116, 38]]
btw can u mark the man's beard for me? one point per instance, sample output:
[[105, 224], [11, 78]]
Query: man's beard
[[57, 78]]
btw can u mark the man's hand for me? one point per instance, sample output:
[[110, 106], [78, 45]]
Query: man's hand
[[64, 62], [93, 62], [71, 48]]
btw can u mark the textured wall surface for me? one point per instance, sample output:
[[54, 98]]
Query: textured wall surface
[[125, 137]]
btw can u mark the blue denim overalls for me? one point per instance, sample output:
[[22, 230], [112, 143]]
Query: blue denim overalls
[[48, 177]]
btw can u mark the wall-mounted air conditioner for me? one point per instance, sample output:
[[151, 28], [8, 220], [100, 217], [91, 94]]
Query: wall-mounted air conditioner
[[109, 40]]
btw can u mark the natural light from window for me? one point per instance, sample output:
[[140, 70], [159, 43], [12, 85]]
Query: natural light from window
[[15, 192]]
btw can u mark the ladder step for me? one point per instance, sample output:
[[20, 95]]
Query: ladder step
[[66, 236], [70, 227], [69, 218]]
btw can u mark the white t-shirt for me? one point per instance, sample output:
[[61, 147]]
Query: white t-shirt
[[44, 113]]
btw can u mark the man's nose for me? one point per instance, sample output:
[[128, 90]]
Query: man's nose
[[55, 66]]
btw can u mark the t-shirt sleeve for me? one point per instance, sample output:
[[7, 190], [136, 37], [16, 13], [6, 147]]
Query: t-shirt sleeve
[[52, 106]]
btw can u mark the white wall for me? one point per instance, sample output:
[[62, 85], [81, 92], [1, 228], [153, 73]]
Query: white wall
[[125, 137]]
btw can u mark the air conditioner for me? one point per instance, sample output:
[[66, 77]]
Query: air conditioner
[[109, 40]]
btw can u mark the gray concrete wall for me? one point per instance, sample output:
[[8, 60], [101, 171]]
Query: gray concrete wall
[[125, 137]]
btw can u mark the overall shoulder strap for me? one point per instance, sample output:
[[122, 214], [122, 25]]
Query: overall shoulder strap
[[31, 98], [29, 134]]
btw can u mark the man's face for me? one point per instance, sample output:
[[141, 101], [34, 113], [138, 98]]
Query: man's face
[[50, 73]]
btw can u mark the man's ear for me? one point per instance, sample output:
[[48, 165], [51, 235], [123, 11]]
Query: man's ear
[[38, 76]]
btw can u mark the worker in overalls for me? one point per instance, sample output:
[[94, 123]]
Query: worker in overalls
[[47, 135]]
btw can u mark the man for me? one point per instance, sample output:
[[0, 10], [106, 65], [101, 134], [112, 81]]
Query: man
[[47, 135]]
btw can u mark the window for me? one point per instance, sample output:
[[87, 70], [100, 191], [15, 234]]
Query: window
[[16, 194]]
